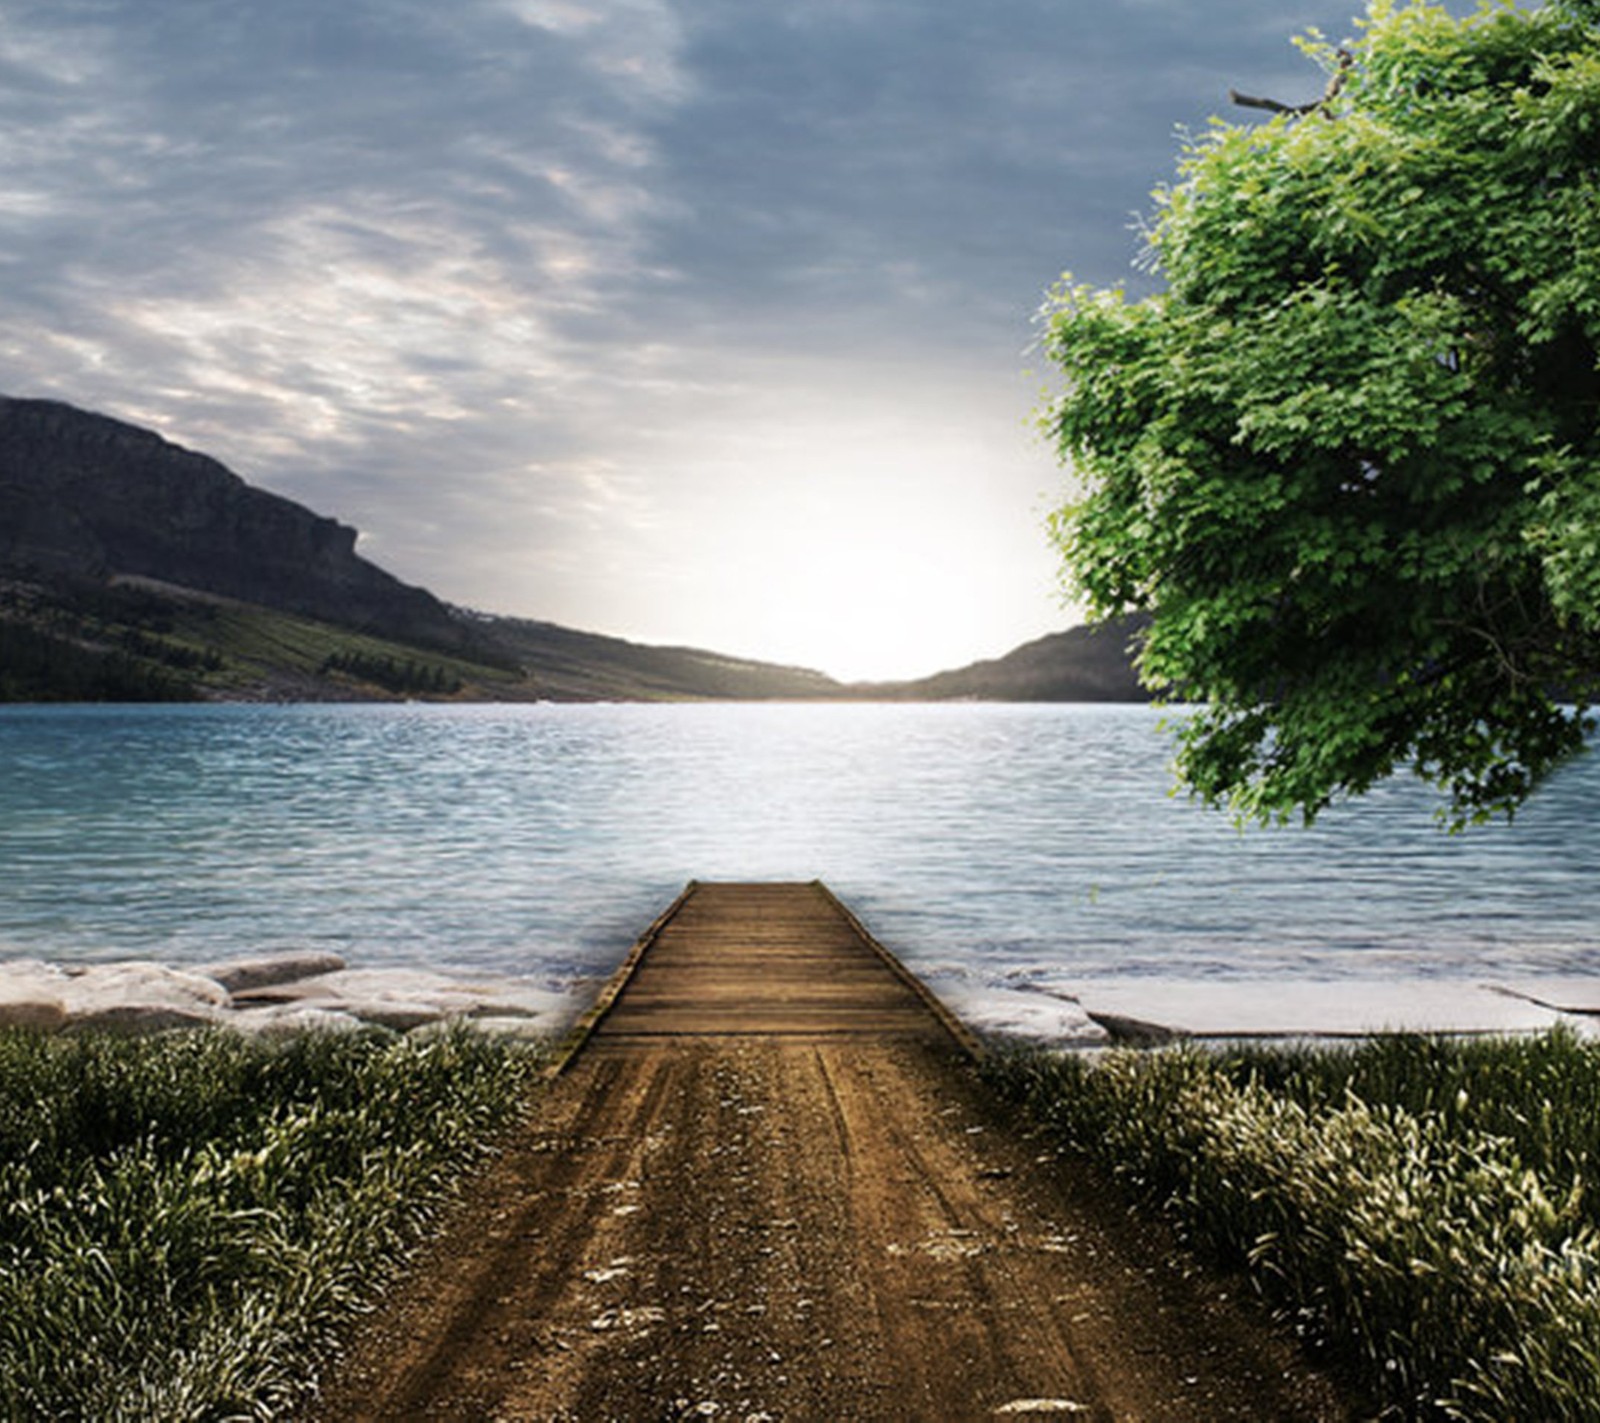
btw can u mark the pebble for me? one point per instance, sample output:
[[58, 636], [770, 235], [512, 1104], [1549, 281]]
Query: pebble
[[1022, 1407]]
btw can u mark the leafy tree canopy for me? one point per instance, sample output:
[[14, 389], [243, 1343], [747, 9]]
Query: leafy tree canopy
[[1348, 457]]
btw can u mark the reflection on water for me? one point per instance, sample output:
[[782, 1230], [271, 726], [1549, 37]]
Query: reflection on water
[[1009, 841]]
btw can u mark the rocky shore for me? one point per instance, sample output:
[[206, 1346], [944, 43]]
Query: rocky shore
[[281, 992], [298, 989], [1146, 1012]]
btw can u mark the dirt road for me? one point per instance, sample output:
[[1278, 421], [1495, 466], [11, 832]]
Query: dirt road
[[801, 1225]]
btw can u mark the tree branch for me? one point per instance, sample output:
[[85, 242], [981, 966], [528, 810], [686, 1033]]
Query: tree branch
[[1247, 101], [1336, 82]]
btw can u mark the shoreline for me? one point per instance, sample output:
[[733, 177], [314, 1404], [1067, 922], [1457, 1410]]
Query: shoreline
[[294, 990]]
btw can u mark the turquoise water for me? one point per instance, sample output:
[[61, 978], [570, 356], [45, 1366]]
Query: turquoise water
[[994, 842]]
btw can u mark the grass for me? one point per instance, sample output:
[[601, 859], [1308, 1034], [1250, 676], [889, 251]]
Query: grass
[[131, 643], [186, 1220], [1420, 1208], [254, 642]]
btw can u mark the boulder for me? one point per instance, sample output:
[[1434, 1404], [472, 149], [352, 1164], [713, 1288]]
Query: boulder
[[273, 993], [1024, 1014], [30, 995], [396, 1013], [1018, 1009], [1144, 1011], [511, 999], [287, 1019], [142, 998], [365, 991], [1560, 993], [247, 975]]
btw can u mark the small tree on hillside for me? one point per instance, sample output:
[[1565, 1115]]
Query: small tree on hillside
[[1349, 456]]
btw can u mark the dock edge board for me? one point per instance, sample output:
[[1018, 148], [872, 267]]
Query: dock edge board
[[582, 1030], [968, 1041]]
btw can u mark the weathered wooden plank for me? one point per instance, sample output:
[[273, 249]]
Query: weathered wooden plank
[[780, 960], [767, 1187]]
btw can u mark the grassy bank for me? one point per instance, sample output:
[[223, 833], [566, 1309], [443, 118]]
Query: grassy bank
[[1422, 1209], [91, 642], [185, 1220]]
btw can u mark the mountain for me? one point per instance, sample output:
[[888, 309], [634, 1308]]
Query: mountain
[[87, 497], [132, 569]]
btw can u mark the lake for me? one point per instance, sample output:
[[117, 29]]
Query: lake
[[986, 845]]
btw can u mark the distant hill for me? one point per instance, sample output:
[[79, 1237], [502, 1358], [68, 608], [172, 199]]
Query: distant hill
[[568, 665], [132, 569], [1082, 664]]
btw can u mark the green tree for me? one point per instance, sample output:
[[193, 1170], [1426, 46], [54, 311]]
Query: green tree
[[1348, 457]]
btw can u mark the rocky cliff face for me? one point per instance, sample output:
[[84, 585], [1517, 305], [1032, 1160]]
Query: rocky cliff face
[[86, 496]]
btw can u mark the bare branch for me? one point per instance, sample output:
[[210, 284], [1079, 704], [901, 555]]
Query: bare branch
[[1336, 82], [1248, 101]]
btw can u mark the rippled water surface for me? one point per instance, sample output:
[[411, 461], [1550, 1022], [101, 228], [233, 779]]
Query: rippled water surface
[[990, 842]]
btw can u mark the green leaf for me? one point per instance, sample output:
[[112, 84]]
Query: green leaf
[[1349, 457]]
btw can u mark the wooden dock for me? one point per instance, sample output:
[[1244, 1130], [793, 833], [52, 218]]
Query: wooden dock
[[765, 1185], [779, 960]]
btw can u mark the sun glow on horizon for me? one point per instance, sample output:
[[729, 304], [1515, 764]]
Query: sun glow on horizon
[[872, 546], [883, 530]]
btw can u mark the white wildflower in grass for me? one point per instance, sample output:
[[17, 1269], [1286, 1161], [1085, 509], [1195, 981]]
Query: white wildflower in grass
[[1418, 1206]]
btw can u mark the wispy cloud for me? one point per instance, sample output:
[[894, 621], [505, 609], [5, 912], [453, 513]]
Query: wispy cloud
[[578, 306]]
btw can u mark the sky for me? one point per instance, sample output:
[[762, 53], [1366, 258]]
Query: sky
[[702, 322]]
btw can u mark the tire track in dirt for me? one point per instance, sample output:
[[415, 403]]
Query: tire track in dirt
[[687, 1230], [816, 1221]]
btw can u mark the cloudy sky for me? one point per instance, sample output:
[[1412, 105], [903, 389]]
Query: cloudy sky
[[692, 321]]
